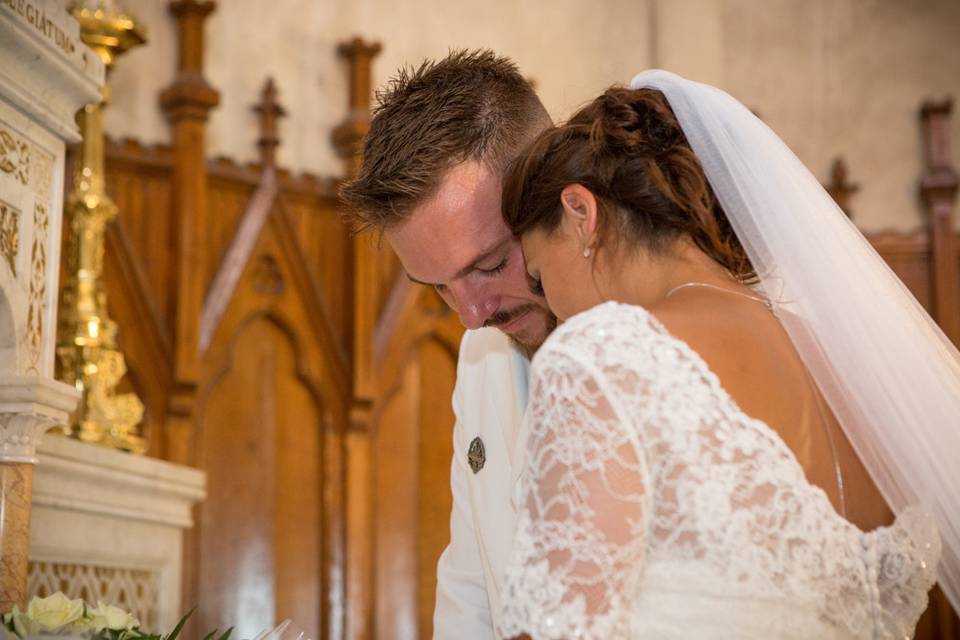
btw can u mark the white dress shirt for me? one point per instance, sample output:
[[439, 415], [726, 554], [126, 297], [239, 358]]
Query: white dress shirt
[[489, 400]]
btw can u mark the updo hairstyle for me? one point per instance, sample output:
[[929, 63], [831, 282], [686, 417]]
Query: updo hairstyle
[[628, 149]]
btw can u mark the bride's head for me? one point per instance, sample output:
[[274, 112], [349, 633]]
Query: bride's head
[[615, 205]]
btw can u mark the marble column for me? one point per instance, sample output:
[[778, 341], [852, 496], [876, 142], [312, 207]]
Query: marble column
[[16, 480], [29, 406]]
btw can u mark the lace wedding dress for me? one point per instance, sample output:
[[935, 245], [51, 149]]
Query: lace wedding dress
[[655, 508]]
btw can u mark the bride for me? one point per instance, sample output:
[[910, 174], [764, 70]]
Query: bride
[[739, 394]]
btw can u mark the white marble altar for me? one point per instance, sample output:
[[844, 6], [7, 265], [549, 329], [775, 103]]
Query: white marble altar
[[108, 525]]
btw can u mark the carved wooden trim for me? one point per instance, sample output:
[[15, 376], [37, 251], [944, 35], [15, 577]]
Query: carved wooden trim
[[400, 303], [190, 97], [938, 187], [288, 183], [128, 151], [897, 244], [347, 139], [839, 189], [251, 222], [314, 299], [270, 111], [238, 254], [186, 104]]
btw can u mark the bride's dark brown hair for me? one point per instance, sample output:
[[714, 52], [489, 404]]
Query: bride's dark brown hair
[[628, 149]]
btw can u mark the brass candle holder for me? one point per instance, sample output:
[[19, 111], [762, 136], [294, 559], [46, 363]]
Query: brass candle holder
[[87, 353]]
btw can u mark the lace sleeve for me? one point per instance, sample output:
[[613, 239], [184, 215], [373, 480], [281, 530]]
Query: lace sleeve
[[579, 545]]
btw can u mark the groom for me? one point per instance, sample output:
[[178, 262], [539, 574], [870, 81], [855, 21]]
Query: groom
[[440, 142]]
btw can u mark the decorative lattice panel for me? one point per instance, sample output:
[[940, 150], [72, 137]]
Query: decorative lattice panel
[[132, 589]]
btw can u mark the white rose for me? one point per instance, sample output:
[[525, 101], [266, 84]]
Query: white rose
[[107, 616], [54, 612], [22, 625]]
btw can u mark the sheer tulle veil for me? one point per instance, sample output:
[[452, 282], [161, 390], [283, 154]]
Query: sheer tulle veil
[[890, 375]]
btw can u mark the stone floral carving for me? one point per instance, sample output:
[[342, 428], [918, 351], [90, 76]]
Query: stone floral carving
[[135, 590], [9, 235], [38, 286], [19, 435], [14, 155]]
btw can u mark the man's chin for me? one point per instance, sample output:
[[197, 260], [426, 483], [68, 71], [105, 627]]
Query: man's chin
[[538, 325]]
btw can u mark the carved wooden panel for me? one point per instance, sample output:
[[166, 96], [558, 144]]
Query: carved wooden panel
[[288, 316], [271, 409], [412, 444], [138, 180], [260, 427], [438, 371], [314, 216]]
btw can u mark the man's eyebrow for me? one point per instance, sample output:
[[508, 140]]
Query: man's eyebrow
[[470, 267]]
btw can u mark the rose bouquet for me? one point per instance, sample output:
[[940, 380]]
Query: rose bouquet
[[58, 615]]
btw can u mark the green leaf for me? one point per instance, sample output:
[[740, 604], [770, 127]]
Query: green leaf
[[226, 634], [177, 629], [210, 635]]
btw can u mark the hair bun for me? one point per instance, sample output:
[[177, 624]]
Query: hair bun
[[633, 120]]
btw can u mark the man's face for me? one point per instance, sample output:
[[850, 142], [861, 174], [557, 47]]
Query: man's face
[[457, 242]]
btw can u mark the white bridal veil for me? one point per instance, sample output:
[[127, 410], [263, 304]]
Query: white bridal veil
[[890, 375]]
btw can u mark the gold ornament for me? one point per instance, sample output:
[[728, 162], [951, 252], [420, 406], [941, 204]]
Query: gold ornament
[[87, 353]]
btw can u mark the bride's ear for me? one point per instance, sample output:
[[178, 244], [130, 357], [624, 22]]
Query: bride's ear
[[580, 213]]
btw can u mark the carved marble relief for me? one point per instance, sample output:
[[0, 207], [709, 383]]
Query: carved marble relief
[[41, 171], [38, 286], [133, 589], [9, 235], [14, 155]]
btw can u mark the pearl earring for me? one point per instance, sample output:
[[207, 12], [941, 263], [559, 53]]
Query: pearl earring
[[586, 252]]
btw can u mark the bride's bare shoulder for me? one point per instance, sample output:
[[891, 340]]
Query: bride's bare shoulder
[[699, 322], [736, 339]]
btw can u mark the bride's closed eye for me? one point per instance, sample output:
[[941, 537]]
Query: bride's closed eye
[[536, 286]]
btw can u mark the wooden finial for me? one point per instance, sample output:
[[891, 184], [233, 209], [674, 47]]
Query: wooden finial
[[190, 97], [838, 187], [938, 187], [270, 112], [940, 174], [347, 137], [359, 54]]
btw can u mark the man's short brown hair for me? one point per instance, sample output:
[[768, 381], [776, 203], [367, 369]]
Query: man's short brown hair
[[471, 105]]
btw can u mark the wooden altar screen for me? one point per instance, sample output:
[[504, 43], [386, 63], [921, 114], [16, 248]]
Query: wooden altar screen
[[227, 282]]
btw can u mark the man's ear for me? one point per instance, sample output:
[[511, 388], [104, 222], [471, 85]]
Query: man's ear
[[580, 213]]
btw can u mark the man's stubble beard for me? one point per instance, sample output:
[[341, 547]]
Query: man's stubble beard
[[529, 349]]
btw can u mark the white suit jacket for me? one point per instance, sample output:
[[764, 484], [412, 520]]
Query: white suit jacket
[[489, 401]]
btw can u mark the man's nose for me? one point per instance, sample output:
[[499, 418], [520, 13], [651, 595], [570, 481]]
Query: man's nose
[[473, 304]]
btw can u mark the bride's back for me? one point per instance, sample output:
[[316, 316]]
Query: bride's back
[[746, 347], [651, 489]]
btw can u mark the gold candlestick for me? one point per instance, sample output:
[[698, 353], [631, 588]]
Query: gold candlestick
[[87, 353]]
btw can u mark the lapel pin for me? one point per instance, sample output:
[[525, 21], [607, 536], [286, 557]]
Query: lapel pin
[[476, 456]]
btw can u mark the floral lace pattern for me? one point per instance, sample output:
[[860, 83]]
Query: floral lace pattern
[[644, 477]]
